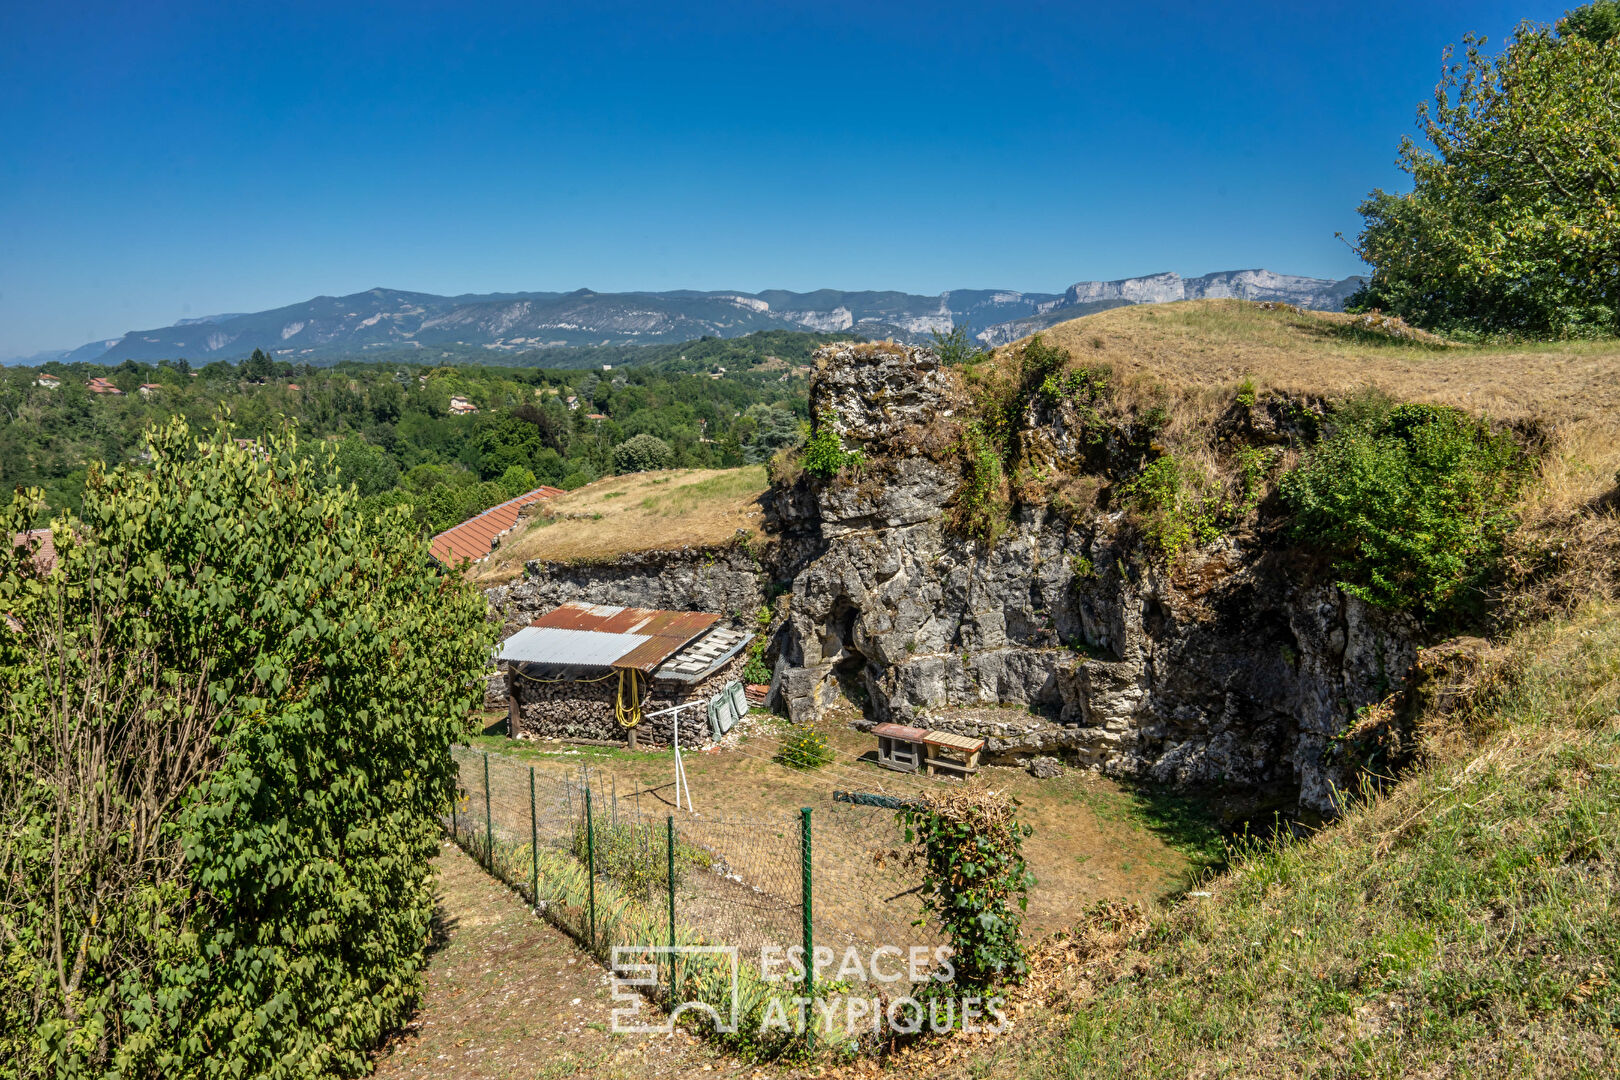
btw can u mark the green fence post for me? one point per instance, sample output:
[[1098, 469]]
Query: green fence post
[[809, 944], [534, 846], [669, 825], [489, 827], [590, 859]]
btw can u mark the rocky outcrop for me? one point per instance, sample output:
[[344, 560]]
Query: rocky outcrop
[[1236, 667]]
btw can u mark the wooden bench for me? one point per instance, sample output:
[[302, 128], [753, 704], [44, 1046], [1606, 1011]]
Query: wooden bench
[[908, 749], [945, 742]]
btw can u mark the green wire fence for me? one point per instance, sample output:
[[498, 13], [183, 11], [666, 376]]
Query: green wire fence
[[613, 866]]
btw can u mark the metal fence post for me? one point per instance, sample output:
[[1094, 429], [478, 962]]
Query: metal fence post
[[534, 846], [809, 944], [669, 826], [489, 827], [590, 859]]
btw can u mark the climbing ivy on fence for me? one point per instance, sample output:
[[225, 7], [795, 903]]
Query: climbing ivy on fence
[[975, 880], [258, 686]]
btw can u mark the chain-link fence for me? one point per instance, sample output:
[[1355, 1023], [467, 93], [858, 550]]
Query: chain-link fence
[[583, 852]]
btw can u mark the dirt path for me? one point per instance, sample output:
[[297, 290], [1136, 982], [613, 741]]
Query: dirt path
[[508, 995]]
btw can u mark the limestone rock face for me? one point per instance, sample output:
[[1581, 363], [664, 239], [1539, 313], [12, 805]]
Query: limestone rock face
[[1233, 669], [730, 581]]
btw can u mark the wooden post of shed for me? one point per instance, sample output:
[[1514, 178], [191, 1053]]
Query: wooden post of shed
[[511, 703]]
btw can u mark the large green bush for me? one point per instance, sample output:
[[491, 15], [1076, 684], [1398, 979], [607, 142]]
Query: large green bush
[[642, 453], [1413, 500], [227, 721]]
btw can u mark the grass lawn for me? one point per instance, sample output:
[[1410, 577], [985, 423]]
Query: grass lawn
[[1094, 839]]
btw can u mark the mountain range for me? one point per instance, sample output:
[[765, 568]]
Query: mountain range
[[327, 328]]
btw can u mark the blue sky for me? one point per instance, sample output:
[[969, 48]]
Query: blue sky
[[165, 160]]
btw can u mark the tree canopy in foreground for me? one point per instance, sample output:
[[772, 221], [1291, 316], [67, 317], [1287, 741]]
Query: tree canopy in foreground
[[1513, 222]]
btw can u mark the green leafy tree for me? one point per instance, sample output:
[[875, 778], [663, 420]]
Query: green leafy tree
[[367, 467], [641, 454], [1513, 221], [258, 367], [227, 717]]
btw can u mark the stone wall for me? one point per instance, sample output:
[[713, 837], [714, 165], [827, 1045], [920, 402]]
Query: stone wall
[[731, 581]]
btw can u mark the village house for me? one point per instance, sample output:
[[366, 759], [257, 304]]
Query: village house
[[98, 385], [147, 389], [573, 402], [461, 406], [48, 381], [601, 674], [596, 416]]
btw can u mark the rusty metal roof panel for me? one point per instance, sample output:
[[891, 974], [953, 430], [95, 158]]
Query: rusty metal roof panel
[[665, 631]]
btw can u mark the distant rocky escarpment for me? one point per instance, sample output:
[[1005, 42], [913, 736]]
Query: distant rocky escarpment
[[328, 327]]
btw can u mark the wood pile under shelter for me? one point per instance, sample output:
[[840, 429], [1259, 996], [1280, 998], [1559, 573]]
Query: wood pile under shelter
[[594, 673]]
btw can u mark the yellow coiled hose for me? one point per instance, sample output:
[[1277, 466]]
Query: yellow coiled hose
[[629, 715]]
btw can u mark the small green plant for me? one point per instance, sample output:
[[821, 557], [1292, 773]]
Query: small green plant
[[1254, 466], [1413, 499], [804, 748], [756, 670], [978, 510], [1246, 395], [636, 857], [1169, 500], [975, 879], [824, 455], [957, 348], [1082, 570]]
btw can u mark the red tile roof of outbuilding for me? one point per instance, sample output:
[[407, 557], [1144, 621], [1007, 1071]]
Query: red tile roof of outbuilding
[[42, 544], [475, 538]]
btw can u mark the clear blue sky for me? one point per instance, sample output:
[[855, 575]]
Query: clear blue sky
[[164, 160]]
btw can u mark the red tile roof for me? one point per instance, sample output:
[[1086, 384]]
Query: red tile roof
[[666, 631], [475, 538], [42, 544]]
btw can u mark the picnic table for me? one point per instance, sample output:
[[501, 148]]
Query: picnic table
[[908, 749]]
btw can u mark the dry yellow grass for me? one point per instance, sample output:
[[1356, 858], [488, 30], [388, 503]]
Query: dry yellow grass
[[638, 512], [1194, 355]]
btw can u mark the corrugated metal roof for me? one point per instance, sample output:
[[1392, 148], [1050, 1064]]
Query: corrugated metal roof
[[572, 648], [702, 657], [665, 631], [475, 538]]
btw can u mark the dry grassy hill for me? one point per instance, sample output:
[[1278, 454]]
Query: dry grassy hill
[[1198, 353], [637, 512]]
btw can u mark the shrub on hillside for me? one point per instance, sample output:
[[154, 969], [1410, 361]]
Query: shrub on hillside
[[642, 453], [1412, 499], [228, 713]]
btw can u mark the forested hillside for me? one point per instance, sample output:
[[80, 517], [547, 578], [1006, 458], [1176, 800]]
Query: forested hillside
[[394, 433]]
